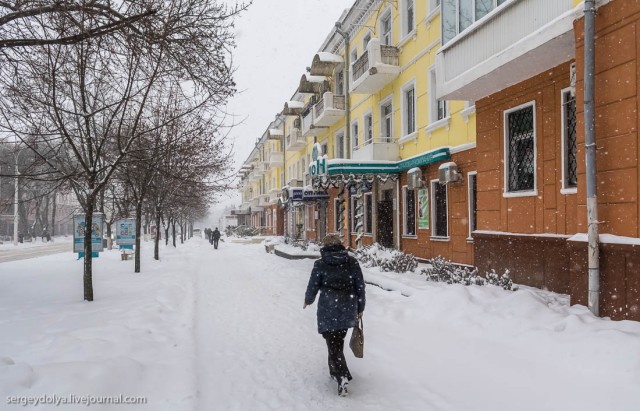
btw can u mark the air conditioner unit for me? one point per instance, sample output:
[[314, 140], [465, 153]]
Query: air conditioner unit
[[414, 178], [448, 173]]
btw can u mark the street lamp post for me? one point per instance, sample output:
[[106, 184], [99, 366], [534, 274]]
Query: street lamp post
[[15, 204]]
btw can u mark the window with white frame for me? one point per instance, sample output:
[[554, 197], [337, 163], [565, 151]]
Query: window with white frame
[[409, 109], [520, 156], [325, 148], [368, 213], [408, 16], [339, 91], [458, 15], [355, 137], [337, 214], [472, 190], [385, 29], [302, 166], [354, 59], [368, 128], [365, 41], [339, 149], [409, 211], [569, 159], [386, 123], [439, 209], [438, 109]]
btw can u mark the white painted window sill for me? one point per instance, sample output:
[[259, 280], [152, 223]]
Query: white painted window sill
[[440, 239], [437, 125], [470, 240], [410, 237], [431, 16], [569, 191], [533, 193], [468, 112], [408, 137], [409, 36]]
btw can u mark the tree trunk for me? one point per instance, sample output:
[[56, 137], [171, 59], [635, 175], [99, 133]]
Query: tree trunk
[[53, 213], [156, 246], [173, 229], [138, 229], [88, 224], [182, 227]]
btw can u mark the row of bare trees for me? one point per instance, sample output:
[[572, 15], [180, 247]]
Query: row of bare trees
[[121, 101]]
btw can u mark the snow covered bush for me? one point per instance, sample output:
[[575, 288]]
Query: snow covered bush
[[445, 271], [386, 258]]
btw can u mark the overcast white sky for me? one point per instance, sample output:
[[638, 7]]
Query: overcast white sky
[[276, 41]]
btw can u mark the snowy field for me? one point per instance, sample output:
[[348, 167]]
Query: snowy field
[[225, 330]]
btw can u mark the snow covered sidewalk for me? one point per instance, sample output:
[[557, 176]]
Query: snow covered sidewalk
[[224, 329]]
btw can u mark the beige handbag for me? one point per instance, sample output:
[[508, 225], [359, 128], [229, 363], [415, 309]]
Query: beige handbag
[[357, 339]]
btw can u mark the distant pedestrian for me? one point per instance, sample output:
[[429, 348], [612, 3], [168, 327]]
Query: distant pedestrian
[[215, 235], [338, 278]]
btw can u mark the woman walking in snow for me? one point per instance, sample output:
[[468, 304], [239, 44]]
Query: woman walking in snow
[[338, 278]]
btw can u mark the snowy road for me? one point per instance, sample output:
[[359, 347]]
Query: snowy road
[[16, 254], [225, 330]]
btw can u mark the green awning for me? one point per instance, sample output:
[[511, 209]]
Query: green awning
[[338, 166]]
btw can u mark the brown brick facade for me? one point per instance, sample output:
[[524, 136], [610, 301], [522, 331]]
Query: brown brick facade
[[517, 226]]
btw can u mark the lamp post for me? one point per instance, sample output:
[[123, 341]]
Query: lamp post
[[16, 201]]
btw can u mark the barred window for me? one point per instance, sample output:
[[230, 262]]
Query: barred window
[[368, 213], [520, 148], [570, 172], [439, 211], [409, 197]]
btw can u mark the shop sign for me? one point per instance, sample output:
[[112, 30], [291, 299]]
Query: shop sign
[[318, 166], [423, 208]]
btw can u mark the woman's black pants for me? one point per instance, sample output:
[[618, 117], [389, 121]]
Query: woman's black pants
[[337, 363]]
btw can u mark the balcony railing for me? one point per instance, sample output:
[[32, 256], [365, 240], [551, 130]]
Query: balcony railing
[[262, 168], [376, 68], [295, 140], [377, 148], [525, 39], [308, 126], [328, 110]]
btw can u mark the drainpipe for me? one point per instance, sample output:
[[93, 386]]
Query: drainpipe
[[590, 151], [347, 110]]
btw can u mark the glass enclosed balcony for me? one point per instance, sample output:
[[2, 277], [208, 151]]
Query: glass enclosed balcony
[[511, 42], [328, 110]]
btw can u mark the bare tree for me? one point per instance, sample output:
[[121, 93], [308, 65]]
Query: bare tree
[[89, 102]]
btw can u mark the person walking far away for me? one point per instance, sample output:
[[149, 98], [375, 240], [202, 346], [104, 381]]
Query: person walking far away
[[215, 235], [338, 278]]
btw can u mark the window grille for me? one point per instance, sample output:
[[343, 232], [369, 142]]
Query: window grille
[[521, 160], [570, 161]]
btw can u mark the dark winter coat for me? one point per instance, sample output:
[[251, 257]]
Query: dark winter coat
[[215, 234], [338, 278]]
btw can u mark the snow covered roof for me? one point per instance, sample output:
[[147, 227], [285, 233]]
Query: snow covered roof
[[323, 63], [311, 84], [275, 132], [293, 108]]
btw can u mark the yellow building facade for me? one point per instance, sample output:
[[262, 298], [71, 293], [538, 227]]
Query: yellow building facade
[[365, 128]]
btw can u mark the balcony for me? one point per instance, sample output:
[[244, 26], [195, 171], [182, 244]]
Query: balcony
[[308, 127], [262, 168], [513, 43], [276, 159], [376, 68], [274, 195], [264, 200], [253, 177], [377, 148], [255, 202], [294, 183], [295, 140], [328, 110]]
